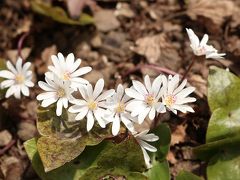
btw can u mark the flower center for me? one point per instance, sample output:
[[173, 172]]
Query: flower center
[[200, 51], [92, 105], [19, 78], [61, 92], [149, 99], [170, 100], [66, 76], [120, 107]]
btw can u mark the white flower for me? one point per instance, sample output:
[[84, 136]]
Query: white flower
[[57, 91], [117, 112], [19, 79], [93, 104], [175, 95], [201, 48], [67, 70], [145, 98], [141, 138]]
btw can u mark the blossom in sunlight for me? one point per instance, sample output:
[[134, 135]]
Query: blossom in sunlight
[[18, 79], [175, 95], [201, 48], [116, 112], [92, 105], [67, 70], [141, 138], [58, 91], [146, 98]]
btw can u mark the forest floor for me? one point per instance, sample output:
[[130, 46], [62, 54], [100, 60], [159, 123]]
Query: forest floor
[[129, 40]]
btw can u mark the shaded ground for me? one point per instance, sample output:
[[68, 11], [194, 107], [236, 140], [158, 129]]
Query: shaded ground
[[137, 33]]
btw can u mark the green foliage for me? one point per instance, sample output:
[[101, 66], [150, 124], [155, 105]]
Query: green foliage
[[184, 175], [58, 14], [223, 137], [160, 168]]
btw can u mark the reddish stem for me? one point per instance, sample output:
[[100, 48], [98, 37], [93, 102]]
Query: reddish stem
[[20, 44], [7, 147], [188, 69]]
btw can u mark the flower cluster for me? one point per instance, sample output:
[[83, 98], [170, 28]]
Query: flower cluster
[[123, 107]]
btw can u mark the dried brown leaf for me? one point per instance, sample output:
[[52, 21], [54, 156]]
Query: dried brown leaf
[[5, 137], [179, 134], [216, 11]]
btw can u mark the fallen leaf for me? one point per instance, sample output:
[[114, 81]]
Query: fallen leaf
[[216, 11], [123, 9], [26, 130], [105, 20], [178, 135], [5, 137]]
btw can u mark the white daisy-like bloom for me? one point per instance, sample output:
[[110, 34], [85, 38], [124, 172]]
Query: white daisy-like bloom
[[201, 48], [58, 91], [68, 70], [92, 105], [175, 96], [19, 79], [141, 138], [146, 98], [116, 112]]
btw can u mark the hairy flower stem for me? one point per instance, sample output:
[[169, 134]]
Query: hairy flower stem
[[20, 44], [188, 69]]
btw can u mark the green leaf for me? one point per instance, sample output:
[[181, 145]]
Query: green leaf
[[223, 99], [62, 140], [67, 172], [160, 167], [159, 170], [223, 89], [184, 175], [225, 165], [58, 14]]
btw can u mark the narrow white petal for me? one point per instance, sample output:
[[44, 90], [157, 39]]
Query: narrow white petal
[[98, 88], [185, 100], [134, 104], [29, 83], [19, 65], [59, 107], [46, 95], [120, 92], [7, 74], [105, 95], [10, 91], [49, 101], [127, 122], [98, 115], [150, 137], [90, 120], [148, 84], [11, 67], [185, 92], [70, 60], [143, 115], [116, 125], [82, 113], [156, 85], [7, 83], [139, 87], [26, 66], [180, 87], [45, 86], [146, 158], [193, 38], [17, 92], [81, 71], [76, 65], [173, 83], [147, 146], [89, 91], [25, 90], [204, 40], [152, 113], [65, 102], [134, 94]]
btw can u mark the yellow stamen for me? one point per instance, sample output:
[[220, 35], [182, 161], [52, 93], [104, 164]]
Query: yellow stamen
[[20, 78], [170, 100], [92, 105], [66, 76], [149, 99], [61, 93], [120, 107]]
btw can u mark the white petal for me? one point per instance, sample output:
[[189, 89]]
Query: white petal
[[146, 158], [46, 95], [59, 107], [147, 146], [134, 94], [143, 115], [7, 74], [83, 91], [76, 65], [90, 120], [116, 125], [29, 83], [193, 38], [156, 85], [120, 92], [45, 86], [105, 95], [89, 91], [139, 87], [81, 71], [173, 83], [65, 102], [204, 40], [61, 60], [98, 88], [82, 113], [152, 113], [7, 83], [134, 104], [185, 100], [17, 92], [26, 66], [70, 60], [25, 90], [19, 65], [10, 91], [98, 115], [185, 92], [148, 84], [11, 67], [56, 62], [49, 101], [150, 137], [127, 122], [180, 87]]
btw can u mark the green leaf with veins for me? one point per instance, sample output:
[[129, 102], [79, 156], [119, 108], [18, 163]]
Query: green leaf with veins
[[62, 140]]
